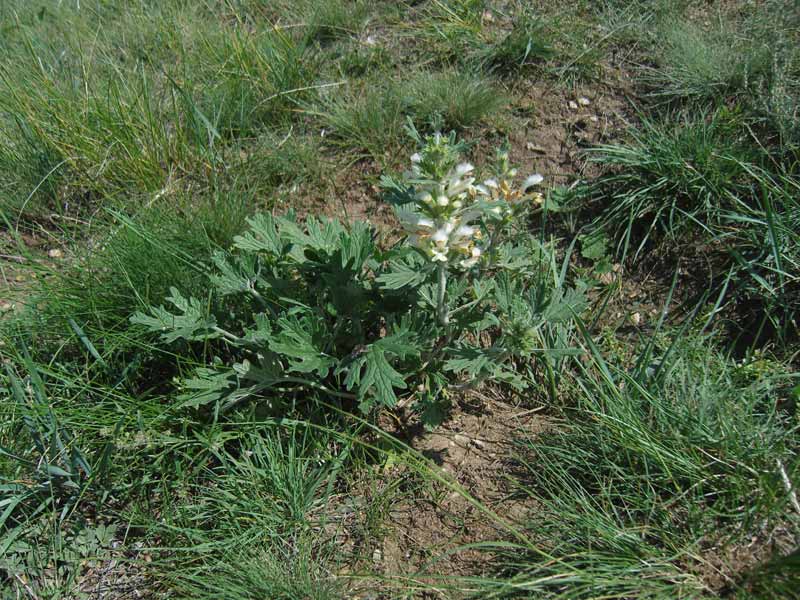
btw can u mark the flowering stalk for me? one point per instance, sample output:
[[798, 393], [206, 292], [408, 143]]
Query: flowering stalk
[[441, 305], [452, 213]]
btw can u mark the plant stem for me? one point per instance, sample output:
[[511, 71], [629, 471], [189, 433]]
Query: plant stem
[[441, 306]]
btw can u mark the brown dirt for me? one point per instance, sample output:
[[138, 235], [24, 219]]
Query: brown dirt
[[554, 126], [427, 534]]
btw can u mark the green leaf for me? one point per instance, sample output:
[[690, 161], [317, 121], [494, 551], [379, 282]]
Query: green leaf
[[563, 305], [433, 411], [234, 278], [380, 378], [357, 246], [192, 324], [400, 343], [296, 339], [472, 361], [207, 386], [400, 275], [594, 246], [262, 237]]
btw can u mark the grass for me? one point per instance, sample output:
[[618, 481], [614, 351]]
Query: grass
[[711, 160], [135, 139], [372, 119], [707, 442]]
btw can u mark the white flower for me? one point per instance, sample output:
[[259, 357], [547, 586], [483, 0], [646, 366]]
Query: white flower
[[465, 231], [414, 222], [441, 237], [459, 186], [475, 255], [416, 158], [491, 183], [463, 169], [457, 204], [442, 200], [425, 197], [531, 181], [439, 256]]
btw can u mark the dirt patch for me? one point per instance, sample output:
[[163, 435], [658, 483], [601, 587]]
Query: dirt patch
[[431, 535], [351, 194], [554, 126]]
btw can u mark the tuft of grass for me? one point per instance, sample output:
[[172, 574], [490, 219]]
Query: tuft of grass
[[452, 29], [528, 42], [373, 118], [247, 527], [704, 179], [331, 19], [750, 54], [452, 100], [243, 82], [676, 174], [703, 64], [647, 480], [367, 120]]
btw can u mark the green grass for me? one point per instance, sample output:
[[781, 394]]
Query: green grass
[[652, 467], [247, 524], [372, 118], [138, 137]]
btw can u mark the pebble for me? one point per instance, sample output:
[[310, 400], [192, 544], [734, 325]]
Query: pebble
[[593, 119], [573, 105], [584, 101], [55, 253], [461, 440], [377, 555], [479, 444], [606, 278]]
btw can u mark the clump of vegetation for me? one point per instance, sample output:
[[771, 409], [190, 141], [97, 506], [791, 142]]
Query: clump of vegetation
[[320, 308], [214, 388], [702, 433]]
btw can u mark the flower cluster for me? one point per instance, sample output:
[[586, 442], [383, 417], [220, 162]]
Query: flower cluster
[[452, 210], [508, 201], [445, 241], [442, 228]]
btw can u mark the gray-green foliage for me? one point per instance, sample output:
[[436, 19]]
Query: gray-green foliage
[[321, 309]]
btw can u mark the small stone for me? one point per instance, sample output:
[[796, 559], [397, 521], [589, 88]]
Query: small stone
[[584, 101], [377, 555], [371, 41], [461, 440], [606, 278], [55, 253], [487, 16], [534, 148], [6, 306], [572, 105], [479, 444], [636, 318], [593, 119]]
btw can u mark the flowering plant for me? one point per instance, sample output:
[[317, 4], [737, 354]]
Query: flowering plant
[[300, 313], [454, 221]]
